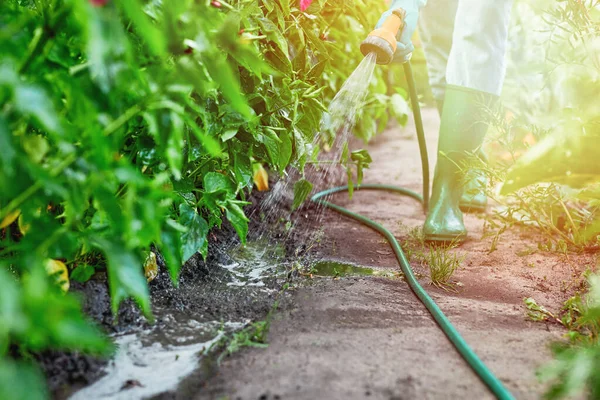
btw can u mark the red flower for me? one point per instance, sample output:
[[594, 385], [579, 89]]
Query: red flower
[[304, 4], [98, 3]]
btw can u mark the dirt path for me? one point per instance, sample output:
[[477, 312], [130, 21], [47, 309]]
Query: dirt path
[[369, 337]]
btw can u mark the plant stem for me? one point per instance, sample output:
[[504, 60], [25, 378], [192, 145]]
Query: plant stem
[[122, 119], [41, 37]]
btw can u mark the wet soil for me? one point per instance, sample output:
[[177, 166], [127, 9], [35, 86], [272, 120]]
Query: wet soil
[[355, 337], [208, 293]]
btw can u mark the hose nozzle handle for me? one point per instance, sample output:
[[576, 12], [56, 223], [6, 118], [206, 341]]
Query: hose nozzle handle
[[395, 22], [383, 40]]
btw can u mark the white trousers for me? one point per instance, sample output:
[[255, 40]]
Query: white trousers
[[465, 43]]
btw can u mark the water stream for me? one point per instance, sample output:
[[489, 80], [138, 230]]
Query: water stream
[[339, 123], [345, 107]]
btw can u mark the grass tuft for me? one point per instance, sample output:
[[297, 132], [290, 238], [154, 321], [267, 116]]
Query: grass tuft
[[442, 263]]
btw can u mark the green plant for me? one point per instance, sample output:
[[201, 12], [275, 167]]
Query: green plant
[[131, 124], [576, 365], [545, 138], [553, 185], [442, 263], [413, 243], [253, 335], [538, 313]]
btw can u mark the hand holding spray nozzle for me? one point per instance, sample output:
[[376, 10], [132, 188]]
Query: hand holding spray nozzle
[[382, 41]]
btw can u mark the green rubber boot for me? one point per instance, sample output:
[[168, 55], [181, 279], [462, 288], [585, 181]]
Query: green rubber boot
[[473, 198], [462, 131]]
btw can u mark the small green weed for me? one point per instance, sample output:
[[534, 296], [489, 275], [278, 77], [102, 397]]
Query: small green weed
[[414, 243], [442, 264], [538, 313], [441, 261], [253, 335]]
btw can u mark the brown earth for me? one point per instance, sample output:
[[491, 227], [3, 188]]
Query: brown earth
[[369, 337]]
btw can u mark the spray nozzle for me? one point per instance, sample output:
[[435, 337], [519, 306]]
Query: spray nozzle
[[382, 41]]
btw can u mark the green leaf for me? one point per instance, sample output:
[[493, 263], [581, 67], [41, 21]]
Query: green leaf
[[171, 248], [285, 151], [228, 134], [285, 6], [195, 239], [144, 26], [316, 71], [192, 72], [362, 160], [174, 149], [33, 102], [569, 158], [399, 108], [215, 183], [221, 72], [273, 33], [302, 189], [107, 46], [238, 219], [36, 147], [350, 181], [125, 276], [242, 169], [361, 156], [272, 147], [7, 151], [82, 273], [278, 60], [54, 319], [11, 317], [211, 145], [21, 381]]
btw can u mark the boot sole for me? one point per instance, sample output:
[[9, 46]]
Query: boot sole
[[435, 238]]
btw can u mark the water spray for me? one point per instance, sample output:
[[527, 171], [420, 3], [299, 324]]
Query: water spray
[[382, 43]]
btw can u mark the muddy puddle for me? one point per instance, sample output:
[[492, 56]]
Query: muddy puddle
[[154, 361], [157, 359], [339, 269], [250, 265]]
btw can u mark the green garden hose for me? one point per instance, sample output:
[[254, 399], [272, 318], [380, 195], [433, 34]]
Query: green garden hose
[[488, 378]]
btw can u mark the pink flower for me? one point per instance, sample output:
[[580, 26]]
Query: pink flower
[[304, 4]]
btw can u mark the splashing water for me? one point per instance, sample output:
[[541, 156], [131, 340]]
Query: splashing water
[[337, 123], [345, 106], [341, 118]]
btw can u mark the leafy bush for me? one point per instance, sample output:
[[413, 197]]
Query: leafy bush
[[559, 176], [128, 124], [577, 363], [553, 78]]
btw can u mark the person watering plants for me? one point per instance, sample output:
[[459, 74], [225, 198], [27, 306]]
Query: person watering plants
[[465, 43]]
